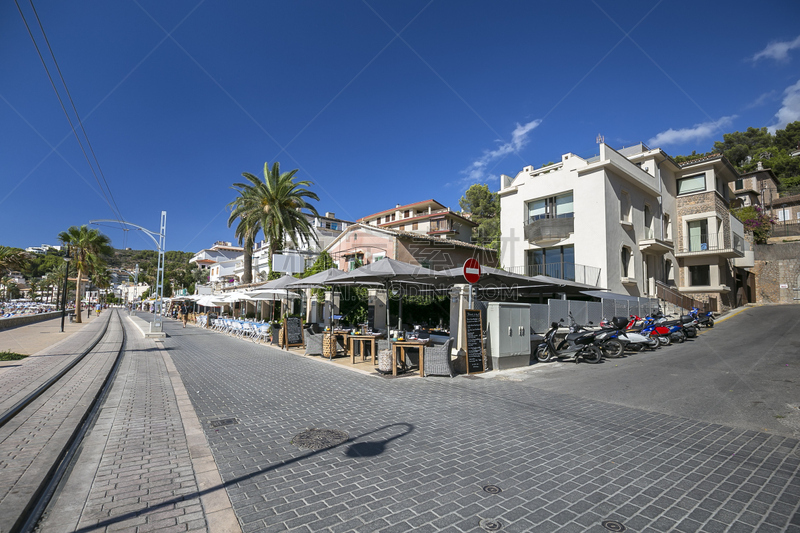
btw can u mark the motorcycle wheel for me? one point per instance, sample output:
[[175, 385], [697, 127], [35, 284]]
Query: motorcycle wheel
[[591, 354], [680, 337], [664, 341], [613, 348], [543, 355]]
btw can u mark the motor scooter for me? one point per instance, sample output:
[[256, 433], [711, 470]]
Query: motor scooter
[[703, 319], [581, 347], [630, 336]]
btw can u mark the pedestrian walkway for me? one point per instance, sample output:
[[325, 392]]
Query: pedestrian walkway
[[145, 465]]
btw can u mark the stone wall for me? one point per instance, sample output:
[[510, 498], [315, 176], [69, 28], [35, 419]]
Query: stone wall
[[15, 321], [776, 265]]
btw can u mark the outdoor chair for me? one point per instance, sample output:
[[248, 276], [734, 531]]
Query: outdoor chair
[[261, 333], [437, 360], [313, 344]]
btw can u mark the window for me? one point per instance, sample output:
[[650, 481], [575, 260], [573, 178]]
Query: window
[[406, 213], [699, 276], [625, 207], [739, 184], [648, 222], [668, 275], [667, 228], [692, 184], [698, 235], [558, 262], [415, 225], [560, 206], [625, 262], [401, 227]]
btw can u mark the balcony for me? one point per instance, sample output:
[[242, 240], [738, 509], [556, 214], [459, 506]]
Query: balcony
[[704, 244], [649, 243], [549, 230], [442, 227], [585, 274]]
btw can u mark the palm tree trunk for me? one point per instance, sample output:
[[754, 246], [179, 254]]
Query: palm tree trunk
[[78, 299], [247, 276]]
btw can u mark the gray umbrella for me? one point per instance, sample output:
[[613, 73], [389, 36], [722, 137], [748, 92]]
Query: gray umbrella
[[385, 271], [281, 283]]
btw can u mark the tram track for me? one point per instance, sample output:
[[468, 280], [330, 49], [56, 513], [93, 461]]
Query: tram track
[[42, 431]]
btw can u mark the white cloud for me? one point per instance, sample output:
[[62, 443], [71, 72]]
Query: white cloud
[[779, 51], [478, 170], [790, 108], [697, 132], [761, 100]]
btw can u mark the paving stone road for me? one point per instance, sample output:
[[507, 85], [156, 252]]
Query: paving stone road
[[421, 451]]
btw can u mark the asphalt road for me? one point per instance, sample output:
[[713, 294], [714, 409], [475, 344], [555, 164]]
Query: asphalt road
[[743, 373]]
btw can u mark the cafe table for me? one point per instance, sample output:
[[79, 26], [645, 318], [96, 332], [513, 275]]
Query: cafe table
[[402, 346], [363, 340]]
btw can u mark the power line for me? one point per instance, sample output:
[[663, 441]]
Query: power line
[[109, 201]]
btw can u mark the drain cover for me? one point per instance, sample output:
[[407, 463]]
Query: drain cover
[[489, 524], [613, 525], [223, 422], [319, 439], [492, 489]]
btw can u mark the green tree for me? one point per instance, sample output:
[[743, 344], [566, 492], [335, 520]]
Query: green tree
[[484, 207], [12, 259], [273, 206], [88, 248]]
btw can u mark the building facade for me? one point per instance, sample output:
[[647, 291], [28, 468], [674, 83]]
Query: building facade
[[428, 218], [625, 221]]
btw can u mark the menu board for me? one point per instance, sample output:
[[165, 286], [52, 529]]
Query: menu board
[[474, 340], [293, 332]]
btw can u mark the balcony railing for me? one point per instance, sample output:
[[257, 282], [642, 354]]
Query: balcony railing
[[588, 275], [549, 229], [712, 244]]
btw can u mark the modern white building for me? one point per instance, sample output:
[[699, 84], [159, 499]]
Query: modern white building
[[622, 221]]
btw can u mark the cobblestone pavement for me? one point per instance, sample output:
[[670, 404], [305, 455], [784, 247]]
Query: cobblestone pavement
[[421, 451], [135, 471]]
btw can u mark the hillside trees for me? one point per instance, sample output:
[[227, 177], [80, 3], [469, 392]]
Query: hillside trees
[[484, 207]]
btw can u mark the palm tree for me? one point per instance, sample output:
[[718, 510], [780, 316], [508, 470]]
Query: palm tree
[[273, 206], [88, 248], [11, 259]]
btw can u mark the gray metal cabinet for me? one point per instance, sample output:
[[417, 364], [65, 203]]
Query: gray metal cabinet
[[508, 327]]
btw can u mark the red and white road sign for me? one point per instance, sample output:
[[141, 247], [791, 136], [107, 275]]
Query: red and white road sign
[[472, 270]]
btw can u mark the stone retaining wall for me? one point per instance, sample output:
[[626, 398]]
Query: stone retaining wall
[[23, 320], [776, 265]]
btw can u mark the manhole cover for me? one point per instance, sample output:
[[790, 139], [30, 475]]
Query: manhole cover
[[492, 489], [319, 439], [223, 422], [490, 524], [613, 525]]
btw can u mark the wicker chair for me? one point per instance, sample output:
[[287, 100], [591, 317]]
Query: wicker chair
[[437, 360], [313, 343]]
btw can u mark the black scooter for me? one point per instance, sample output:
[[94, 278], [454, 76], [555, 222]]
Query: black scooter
[[580, 347]]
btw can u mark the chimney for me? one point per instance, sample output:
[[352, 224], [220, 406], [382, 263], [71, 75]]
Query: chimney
[[397, 206], [759, 166], [328, 214]]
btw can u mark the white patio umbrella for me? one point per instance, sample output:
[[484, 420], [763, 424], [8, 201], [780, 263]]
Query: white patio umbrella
[[271, 294]]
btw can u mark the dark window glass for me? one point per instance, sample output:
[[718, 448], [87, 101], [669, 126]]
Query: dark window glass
[[699, 275]]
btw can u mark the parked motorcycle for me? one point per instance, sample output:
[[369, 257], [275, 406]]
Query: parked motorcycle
[[703, 319], [629, 335], [579, 346]]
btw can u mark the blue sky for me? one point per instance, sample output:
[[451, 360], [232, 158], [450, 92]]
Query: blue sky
[[376, 102]]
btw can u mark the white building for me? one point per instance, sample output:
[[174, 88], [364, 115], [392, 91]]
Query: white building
[[619, 221]]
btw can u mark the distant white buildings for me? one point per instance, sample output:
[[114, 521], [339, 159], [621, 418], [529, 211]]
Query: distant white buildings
[[42, 249]]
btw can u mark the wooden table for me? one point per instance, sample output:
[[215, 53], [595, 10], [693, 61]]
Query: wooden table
[[403, 345], [362, 340]]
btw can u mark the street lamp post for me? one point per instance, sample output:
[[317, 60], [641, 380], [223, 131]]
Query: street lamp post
[[156, 324], [64, 294]]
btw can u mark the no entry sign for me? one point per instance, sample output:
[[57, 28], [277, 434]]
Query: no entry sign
[[472, 270]]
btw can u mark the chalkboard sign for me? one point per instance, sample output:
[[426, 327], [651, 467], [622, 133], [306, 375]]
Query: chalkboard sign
[[292, 332], [474, 340], [371, 315]]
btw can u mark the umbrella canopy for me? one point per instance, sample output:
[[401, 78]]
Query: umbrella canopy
[[386, 270], [271, 294], [490, 277], [319, 279], [237, 296], [280, 283], [211, 301]]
